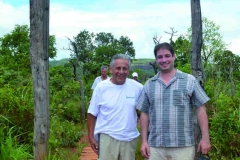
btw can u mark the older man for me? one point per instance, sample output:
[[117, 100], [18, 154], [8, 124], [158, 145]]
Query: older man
[[112, 117]]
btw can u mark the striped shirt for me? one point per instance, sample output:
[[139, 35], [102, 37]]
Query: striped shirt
[[170, 109]]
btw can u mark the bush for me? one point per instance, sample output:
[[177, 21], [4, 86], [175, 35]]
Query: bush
[[16, 105], [63, 133], [10, 149]]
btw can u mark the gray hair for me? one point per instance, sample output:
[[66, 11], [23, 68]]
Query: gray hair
[[120, 56], [104, 67]]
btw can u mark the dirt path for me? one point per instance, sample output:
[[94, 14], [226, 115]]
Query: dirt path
[[87, 153]]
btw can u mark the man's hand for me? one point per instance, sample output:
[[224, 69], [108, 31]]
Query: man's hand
[[145, 150], [94, 145], [204, 146]]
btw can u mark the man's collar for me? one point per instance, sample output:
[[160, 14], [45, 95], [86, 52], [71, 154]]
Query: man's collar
[[178, 75]]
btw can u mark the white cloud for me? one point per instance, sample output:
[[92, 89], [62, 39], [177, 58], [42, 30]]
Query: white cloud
[[234, 45], [139, 25], [139, 22], [11, 16], [226, 14]]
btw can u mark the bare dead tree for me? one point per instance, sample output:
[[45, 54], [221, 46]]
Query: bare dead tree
[[196, 43], [233, 86], [153, 64], [156, 40], [75, 64], [74, 51], [196, 62], [39, 45], [172, 34]]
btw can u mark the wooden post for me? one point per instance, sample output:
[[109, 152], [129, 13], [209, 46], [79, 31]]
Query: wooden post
[[39, 44], [196, 62], [82, 99]]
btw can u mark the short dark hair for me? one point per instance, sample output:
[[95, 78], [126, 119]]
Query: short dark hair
[[164, 45]]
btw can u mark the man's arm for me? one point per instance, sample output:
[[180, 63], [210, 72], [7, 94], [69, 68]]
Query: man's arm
[[144, 134], [91, 121], [204, 145]]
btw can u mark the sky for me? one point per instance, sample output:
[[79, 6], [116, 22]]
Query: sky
[[140, 20]]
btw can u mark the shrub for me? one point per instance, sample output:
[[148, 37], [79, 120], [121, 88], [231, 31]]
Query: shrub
[[10, 149], [63, 133]]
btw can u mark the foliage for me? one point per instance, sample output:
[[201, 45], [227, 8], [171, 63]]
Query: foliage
[[138, 154], [224, 120], [65, 103], [16, 94], [212, 41], [227, 64], [63, 153], [67, 126], [182, 51], [225, 127], [90, 51], [61, 62], [59, 77], [17, 43], [63, 133], [16, 104], [10, 148], [14, 55]]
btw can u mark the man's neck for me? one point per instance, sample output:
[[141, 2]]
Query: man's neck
[[104, 78], [167, 76]]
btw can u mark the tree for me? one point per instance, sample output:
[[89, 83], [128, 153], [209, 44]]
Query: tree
[[211, 41], [39, 44], [104, 53], [18, 42], [81, 47], [182, 51], [196, 63], [226, 64], [90, 51], [14, 49], [104, 39], [196, 42], [126, 46], [14, 55]]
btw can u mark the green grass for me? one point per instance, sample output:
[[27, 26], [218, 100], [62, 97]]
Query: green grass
[[10, 149], [138, 155]]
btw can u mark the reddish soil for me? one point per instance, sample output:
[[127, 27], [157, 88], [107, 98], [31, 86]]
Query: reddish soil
[[87, 153], [84, 139]]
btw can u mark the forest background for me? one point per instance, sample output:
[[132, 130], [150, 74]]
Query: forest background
[[88, 52]]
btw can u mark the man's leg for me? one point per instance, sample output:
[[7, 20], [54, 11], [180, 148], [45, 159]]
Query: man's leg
[[172, 153], [128, 150], [183, 153], [157, 153], [109, 148]]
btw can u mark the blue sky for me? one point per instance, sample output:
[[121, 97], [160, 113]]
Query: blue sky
[[140, 20]]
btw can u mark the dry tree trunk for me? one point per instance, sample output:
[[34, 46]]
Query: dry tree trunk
[[39, 42], [196, 63]]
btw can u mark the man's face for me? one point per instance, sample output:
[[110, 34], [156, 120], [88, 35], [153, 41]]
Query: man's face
[[104, 72], [165, 60], [119, 71]]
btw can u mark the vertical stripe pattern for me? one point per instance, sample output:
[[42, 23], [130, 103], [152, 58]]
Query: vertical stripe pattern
[[170, 109]]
